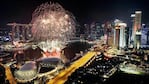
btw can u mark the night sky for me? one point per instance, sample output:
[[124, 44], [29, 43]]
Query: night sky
[[85, 11]]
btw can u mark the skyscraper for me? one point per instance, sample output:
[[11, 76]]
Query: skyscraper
[[136, 27], [137, 23], [119, 34]]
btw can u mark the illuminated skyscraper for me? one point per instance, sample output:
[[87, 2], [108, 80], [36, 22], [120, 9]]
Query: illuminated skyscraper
[[137, 24], [107, 30], [119, 34], [136, 27], [122, 43], [116, 36], [93, 31], [20, 31]]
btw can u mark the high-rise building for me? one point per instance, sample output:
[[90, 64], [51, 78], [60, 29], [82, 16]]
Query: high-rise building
[[145, 36], [116, 36], [93, 31], [136, 28], [122, 43], [119, 34], [107, 31], [20, 32], [137, 23]]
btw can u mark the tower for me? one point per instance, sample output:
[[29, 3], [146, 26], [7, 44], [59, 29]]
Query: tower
[[119, 34], [20, 31], [107, 29], [122, 39], [136, 28]]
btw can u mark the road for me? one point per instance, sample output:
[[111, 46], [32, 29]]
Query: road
[[64, 74], [9, 75]]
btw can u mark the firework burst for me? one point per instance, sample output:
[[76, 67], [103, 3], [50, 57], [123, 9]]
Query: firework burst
[[52, 26], [52, 22]]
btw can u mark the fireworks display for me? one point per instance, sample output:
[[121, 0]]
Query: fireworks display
[[52, 25]]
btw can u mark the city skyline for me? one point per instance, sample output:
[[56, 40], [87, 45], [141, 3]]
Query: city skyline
[[74, 42], [86, 12]]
